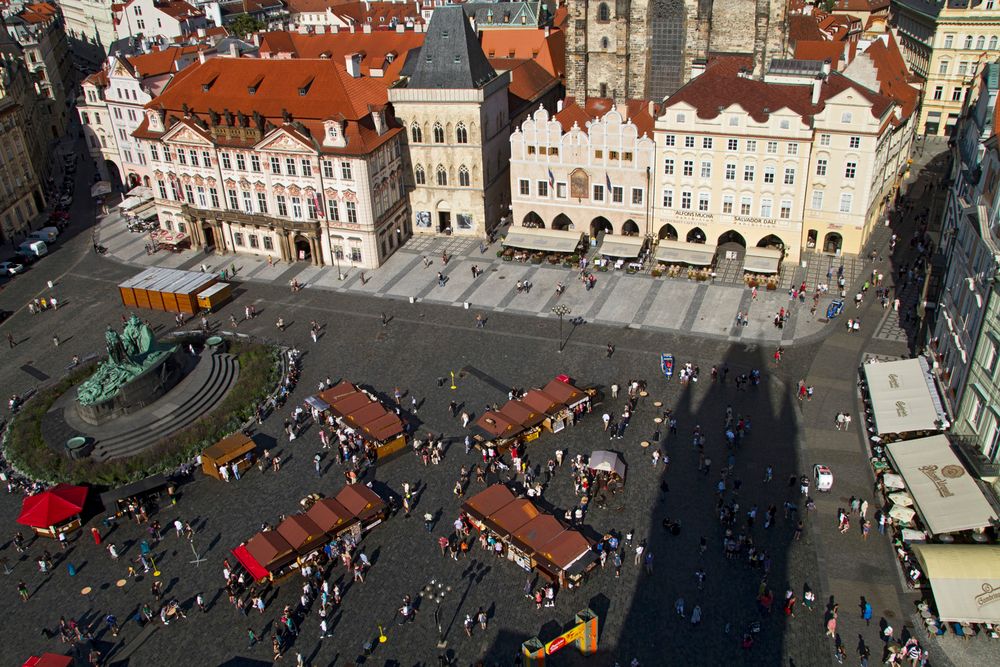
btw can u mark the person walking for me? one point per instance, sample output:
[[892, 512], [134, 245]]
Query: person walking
[[10, 340], [251, 638], [22, 591], [639, 548]]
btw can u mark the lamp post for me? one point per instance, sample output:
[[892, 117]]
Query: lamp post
[[435, 590], [561, 310]]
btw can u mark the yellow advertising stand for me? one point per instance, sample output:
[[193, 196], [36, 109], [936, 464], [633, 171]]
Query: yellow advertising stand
[[583, 634]]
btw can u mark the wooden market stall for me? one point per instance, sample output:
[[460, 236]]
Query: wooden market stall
[[364, 505], [171, 290], [271, 551], [331, 517], [231, 448], [363, 412], [301, 533], [215, 296], [54, 510], [496, 429]]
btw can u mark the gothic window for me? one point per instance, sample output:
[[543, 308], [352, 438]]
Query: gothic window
[[605, 43], [416, 134], [418, 175], [463, 176], [667, 43], [438, 133], [461, 134], [442, 175], [603, 12]]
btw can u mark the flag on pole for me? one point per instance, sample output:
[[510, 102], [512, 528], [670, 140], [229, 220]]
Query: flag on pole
[[318, 203], [552, 178], [608, 179]]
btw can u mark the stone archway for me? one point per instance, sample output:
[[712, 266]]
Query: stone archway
[[833, 242], [302, 249], [630, 228], [562, 222], [600, 225], [533, 220], [696, 235], [668, 232], [771, 241], [732, 236]]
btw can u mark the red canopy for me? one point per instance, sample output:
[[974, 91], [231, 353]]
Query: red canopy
[[52, 506], [49, 660], [256, 570]]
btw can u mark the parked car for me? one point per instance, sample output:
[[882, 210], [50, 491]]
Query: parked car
[[11, 268]]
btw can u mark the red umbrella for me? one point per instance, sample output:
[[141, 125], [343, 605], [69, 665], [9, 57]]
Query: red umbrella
[[49, 660], [52, 506]]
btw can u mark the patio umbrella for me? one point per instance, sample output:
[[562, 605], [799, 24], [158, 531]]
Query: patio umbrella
[[606, 461], [901, 498], [900, 513], [893, 481], [52, 506], [100, 188], [49, 660]]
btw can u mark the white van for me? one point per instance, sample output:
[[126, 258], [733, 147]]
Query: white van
[[45, 234], [33, 249]]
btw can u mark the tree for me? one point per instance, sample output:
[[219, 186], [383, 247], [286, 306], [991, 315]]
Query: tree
[[828, 5], [244, 24]]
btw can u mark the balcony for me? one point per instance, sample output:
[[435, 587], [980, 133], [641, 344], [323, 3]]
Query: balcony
[[968, 448], [250, 219]]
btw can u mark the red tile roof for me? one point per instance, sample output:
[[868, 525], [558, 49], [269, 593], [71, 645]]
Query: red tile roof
[[549, 50], [860, 5], [892, 73], [528, 79], [223, 83], [596, 107], [38, 12], [820, 50], [161, 62], [179, 9], [804, 27], [721, 86], [380, 14], [377, 47]]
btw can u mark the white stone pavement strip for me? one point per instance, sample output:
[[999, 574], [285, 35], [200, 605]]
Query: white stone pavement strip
[[621, 299]]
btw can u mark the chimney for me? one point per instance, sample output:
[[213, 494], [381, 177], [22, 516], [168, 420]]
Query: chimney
[[559, 106], [817, 87], [202, 33], [546, 32], [651, 108], [826, 68], [201, 57], [352, 62], [622, 108], [366, 28], [234, 50]]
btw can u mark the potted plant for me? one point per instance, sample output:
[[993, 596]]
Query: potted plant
[[537, 258], [657, 272], [552, 259]]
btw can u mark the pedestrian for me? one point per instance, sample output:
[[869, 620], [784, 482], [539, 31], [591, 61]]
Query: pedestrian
[[639, 548], [316, 464], [696, 615], [251, 638], [10, 339], [22, 591], [866, 612], [468, 623], [611, 350], [482, 618]]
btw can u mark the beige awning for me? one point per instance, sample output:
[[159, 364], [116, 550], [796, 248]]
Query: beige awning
[[617, 245], [965, 579], [901, 397], [762, 260], [944, 494], [551, 240], [680, 252]]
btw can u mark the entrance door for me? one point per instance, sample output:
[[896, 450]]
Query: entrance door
[[444, 221], [209, 235], [303, 250]]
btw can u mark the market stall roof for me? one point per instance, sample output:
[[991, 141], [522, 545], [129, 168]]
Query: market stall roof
[[513, 515], [49, 660], [496, 425], [964, 580], [366, 414], [945, 495], [540, 401], [318, 403], [488, 501], [256, 570], [231, 447], [134, 489], [522, 414], [300, 532], [360, 501], [345, 405], [270, 549], [329, 515], [681, 252], [52, 506], [762, 260], [607, 461], [618, 245], [538, 532], [551, 240], [173, 240], [342, 388], [902, 396], [569, 551], [386, 427], [564, 392]]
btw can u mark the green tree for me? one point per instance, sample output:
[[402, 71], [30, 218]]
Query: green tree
[[244, 24], [827, 5]]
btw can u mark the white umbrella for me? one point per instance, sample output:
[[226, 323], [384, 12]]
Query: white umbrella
[[606, 461], [901, 498], [893, 481], [904, 514], [911, 535], [100, 188]]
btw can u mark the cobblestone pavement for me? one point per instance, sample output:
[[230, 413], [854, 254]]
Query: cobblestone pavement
[[422, 342]]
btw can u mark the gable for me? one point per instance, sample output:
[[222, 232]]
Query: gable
[[281, 140], [182, 133]]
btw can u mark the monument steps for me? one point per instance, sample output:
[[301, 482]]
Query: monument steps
[[200, 399]]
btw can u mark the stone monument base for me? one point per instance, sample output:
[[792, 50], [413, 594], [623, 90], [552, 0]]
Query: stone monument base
[[139, 392]]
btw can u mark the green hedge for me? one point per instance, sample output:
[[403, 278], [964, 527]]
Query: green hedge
[[29, 453]]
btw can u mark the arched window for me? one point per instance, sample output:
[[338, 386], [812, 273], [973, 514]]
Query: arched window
[[993, 43], [438, 133], [463, 176], [416, 134], [968, 41], [419, 177], [603, 12], [605, 43], [981, 43], [461, 134], [442, 175]]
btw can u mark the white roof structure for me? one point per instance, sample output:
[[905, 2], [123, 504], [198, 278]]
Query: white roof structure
[[902, 397], [944, 493], [965, 579], [681, 252], [552, 240]]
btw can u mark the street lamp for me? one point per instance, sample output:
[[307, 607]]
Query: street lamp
[[561, 310], [435, 590]]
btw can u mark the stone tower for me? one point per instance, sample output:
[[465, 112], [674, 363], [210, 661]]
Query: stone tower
[[646, 48]]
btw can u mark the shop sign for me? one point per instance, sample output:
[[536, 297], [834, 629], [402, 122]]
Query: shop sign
[[696, 214], [941, 481], [750, 220], [571, 636]]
